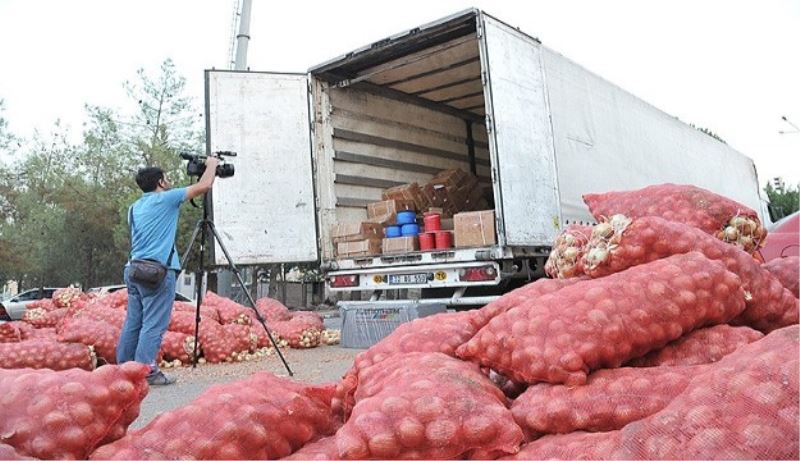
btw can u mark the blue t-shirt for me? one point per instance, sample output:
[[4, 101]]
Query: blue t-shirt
[[155, 221]]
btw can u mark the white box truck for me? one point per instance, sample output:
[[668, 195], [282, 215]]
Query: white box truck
[[467, 91]]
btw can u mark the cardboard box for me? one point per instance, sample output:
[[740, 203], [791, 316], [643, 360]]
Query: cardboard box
[[355, 231], [368, 247], [474, 229], [385, 212], [400, 245], [411, 192]]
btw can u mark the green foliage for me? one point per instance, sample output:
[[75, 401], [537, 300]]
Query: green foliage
[[784, 201], [63, 206]]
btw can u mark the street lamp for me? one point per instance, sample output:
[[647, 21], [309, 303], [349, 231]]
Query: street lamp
[[796, 128]]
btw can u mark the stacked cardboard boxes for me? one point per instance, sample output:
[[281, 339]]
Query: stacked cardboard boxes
[[357, 239], [454, 194], [454, 191], [385, 212], [408, 192]]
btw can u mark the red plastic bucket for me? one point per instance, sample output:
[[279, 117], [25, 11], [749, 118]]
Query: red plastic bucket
[[427, 241], [433, 222], [444, 239]]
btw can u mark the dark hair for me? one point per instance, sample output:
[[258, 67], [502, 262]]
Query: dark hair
[[148, 177]]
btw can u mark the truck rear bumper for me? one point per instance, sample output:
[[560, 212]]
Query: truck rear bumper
[[458, 274]]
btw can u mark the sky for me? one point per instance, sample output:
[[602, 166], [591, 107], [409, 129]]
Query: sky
[[731, 66]]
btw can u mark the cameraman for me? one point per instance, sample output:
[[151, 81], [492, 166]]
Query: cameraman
[[153, 223]]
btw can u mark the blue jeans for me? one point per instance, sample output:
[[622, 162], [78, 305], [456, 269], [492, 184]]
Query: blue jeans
[[149, 311]]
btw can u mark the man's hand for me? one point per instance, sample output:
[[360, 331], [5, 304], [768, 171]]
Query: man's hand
[[206, 181]]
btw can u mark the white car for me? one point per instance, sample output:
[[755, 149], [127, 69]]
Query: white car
[[14, 308], [101, 291]]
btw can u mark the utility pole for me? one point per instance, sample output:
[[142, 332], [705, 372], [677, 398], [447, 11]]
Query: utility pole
[[243, 37]]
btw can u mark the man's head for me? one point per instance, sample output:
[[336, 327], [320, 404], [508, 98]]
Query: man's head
[[151, 179]]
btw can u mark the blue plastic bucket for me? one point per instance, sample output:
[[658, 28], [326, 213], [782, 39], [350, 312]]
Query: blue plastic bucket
[[392, 231], [406, 217], [410, 230]]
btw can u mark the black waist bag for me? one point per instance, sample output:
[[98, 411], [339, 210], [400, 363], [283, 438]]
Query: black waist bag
[[147, 272]]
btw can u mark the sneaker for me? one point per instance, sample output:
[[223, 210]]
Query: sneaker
[[160, 379]]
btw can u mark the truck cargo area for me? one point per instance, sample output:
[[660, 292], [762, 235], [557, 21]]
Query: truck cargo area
[[400, 115]]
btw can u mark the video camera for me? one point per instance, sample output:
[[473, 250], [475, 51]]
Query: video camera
[[197, 164]]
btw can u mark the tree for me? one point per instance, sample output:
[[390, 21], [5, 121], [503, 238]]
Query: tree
[[783, 200], [63, 207], [6, 138]]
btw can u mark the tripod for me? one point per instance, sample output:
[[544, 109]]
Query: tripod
[[204, 227]]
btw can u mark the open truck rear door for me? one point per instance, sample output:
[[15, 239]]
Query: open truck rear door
[[266, 212]]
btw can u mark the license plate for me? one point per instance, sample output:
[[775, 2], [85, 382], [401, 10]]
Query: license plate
[[408, 279]]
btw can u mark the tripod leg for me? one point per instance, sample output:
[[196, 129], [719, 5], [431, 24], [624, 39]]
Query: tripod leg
[[235, 270], [197, 228]]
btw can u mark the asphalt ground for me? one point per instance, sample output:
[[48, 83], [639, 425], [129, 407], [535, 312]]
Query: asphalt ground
[[318, 365]]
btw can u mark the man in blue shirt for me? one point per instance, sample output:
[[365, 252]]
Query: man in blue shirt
[[153, 220]]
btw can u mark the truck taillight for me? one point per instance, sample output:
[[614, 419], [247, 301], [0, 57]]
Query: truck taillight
[[343, 281], [477, 274]]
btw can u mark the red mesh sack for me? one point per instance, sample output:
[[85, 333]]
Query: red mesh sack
[[48, 334], [66, 414], [26, 330], [262, 340], [436, 333], [177, 346], [46, 304], [705, 345], [102, 336], [242, 337], [183, 322], [113, 317], [743, 407], [426, 405], [623, 244], [116, 300], [262, 417], [787, 271], [218, 345], [322, 449], [65, 297], [206, 312], [303, 330], [609, 400], [40, 318], [42, 353], [228, 310], [721, 217], [520, 296], [604, 322], [9, 333], [565, 256], [272, 310], [7, 452]]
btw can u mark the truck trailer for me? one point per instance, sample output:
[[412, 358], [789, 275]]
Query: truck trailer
[[467, 91]]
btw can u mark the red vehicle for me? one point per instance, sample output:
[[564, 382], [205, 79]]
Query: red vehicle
[[783, 239]]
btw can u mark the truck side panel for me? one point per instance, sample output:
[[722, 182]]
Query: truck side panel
[[522, 140], [607, 139]]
